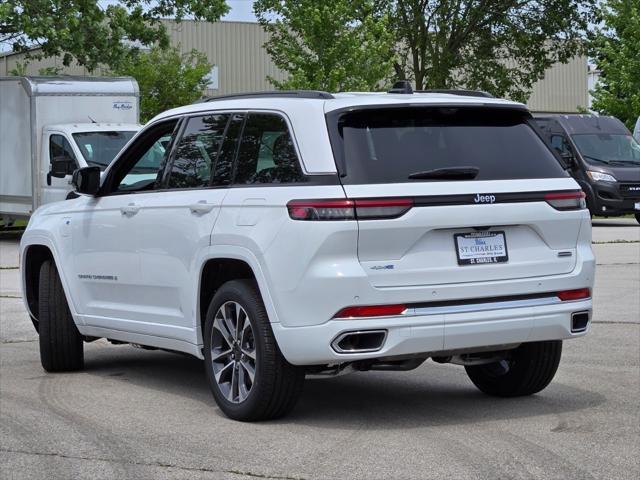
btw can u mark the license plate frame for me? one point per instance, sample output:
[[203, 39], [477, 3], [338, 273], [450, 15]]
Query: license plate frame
[[480, 258]]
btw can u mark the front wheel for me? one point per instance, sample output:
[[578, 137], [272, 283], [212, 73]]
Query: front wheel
[[527, 370], [61, 347], [248, 376]]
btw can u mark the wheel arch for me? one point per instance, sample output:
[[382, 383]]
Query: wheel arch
[[33, 258], [221, 268]]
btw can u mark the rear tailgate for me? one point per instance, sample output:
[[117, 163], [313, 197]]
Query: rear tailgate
[[494, 223], [420, 247]]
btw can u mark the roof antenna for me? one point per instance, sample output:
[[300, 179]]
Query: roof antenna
[[401, 86], [92, 120]]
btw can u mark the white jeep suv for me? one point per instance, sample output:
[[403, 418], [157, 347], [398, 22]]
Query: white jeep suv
[[282, 234]]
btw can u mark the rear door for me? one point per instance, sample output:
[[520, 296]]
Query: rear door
[[175, 223], [469, 185]]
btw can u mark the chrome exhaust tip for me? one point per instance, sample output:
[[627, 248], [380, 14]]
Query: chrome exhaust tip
[[360, 341], [579, 322]]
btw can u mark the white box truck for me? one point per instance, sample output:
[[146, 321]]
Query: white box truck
[[49, 126]]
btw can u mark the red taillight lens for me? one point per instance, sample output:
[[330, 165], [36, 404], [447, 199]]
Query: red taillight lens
[[347, 209], [578, 294], [381, 208], [321, 209], [566, 200], [371, 311]]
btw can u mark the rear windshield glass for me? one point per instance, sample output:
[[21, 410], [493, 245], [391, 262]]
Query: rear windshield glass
[[388, 145]]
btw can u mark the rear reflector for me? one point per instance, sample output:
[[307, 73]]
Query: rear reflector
[[347, 209], [371, 311], [566, 200], [578, 294]]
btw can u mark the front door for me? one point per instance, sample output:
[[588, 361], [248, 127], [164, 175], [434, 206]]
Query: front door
[[106, 235], [56, 145]]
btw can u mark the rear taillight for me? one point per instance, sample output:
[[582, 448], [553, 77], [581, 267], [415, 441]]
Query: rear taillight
[[374, 208], [371, 311], [347, 209], [566, 200], [579, 294], [321, 209]]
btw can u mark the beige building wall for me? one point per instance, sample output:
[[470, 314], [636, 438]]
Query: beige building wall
[[242, 64], [563, 89]]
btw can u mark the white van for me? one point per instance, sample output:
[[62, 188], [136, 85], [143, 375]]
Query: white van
[[50, 126]]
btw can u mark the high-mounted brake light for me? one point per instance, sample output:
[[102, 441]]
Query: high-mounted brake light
[[578, 294], [566, 200], [349, 209], [371, 311]]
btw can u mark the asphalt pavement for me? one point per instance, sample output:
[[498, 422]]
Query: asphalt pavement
[[139, 414]]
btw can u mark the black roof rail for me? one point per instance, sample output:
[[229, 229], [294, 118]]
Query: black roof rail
[[311, 94], [463, 93]]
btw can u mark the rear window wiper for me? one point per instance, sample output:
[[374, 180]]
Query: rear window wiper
[[450, 173]]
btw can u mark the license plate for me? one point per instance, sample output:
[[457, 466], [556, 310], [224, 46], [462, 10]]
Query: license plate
[[480, 248], [637, 204]]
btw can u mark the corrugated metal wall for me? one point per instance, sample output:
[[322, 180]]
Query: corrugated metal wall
[[236, 48], [563, 89]]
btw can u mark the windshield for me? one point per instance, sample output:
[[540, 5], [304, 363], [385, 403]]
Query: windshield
[[616, 149], [417, 144], [100, 148]]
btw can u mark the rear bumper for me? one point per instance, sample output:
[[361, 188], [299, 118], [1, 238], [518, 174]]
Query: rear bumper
[[438, 332]]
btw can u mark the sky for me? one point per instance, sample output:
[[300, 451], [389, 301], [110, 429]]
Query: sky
[[241, 10]]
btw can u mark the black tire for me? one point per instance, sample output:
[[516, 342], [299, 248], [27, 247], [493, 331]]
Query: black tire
[[528, 370], [61, 346], [638, 217], [277, 384]]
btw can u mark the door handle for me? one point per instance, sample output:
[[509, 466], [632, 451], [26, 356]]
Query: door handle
[[201, 207], [130, 209]]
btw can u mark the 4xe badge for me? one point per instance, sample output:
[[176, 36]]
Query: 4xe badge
[[484, 198]]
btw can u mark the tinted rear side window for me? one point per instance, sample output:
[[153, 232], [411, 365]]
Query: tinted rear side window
[[388, 145], [267, 154], [197, 151]]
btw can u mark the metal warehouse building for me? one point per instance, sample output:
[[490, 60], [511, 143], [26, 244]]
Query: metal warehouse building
[[242, 64]]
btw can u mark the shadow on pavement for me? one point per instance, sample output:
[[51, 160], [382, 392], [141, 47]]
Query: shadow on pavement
[[432, 395]]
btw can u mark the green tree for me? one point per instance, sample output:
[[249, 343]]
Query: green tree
[[166, 78], [92, 33], [328, 45], [616, 50], [502, 46]]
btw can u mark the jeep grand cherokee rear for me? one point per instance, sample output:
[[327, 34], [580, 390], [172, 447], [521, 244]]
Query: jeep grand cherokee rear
[[473, 247]]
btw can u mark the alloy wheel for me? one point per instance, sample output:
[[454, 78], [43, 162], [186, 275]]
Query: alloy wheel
[[233, 352]]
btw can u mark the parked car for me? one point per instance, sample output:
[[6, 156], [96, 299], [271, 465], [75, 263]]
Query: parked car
[[602, 156], [292, 233], [54, 125]]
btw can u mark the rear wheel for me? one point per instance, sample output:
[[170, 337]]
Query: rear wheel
[[528, 370], [248, 376], [61, 347]]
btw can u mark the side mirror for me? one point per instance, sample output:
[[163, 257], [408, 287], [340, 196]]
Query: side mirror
[[61, 166], [86, 180], [568, 158]]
